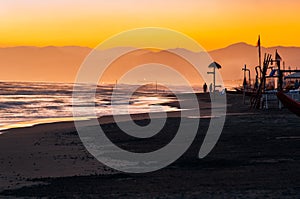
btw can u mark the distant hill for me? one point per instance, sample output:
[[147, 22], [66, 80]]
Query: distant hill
[[55, 64], [60, 64], [235, 56]]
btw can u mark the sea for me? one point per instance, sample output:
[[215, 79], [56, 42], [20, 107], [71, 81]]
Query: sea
[[25, 104]]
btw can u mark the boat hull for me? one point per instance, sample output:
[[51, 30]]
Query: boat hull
[[289, 103]]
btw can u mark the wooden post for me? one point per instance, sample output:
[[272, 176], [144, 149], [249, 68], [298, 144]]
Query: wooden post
[[244, 83], [214, 78], [259, 51], [280, 77], [255, 102]]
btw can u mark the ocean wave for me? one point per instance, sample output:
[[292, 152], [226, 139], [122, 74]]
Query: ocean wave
[[26, 101]]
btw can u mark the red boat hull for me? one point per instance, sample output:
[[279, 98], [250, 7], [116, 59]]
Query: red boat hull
[[289, 103]]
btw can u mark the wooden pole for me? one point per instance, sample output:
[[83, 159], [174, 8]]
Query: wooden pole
[[214, 79], [259, 51], [244, 83]]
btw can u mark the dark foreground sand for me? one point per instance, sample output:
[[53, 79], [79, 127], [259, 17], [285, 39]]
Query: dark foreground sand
[[257, 156]]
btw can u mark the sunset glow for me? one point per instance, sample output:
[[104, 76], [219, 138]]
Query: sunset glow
[[214, 24]]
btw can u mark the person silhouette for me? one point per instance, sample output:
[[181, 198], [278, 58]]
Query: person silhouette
[[205, 87], [210, 87]]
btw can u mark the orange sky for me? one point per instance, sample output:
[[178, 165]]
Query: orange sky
[[213, 23]]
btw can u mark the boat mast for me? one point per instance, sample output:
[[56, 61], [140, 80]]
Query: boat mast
[[259, 51]]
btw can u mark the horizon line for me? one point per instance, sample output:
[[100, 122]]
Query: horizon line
[[92, 48]]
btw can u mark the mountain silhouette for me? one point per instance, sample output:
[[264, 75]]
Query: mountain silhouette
[[61, 64]]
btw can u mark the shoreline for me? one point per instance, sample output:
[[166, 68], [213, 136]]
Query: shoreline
[[41, 121], [106, 119]]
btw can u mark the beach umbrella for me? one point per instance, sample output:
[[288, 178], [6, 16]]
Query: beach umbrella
[[214, 65]]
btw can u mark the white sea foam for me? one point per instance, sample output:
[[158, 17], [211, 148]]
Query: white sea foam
[[25, 104]]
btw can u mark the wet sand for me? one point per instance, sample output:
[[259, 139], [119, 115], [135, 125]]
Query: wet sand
[[257, 156]]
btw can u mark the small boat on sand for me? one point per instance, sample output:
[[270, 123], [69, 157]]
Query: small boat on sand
[[240, 90], [289, 103]]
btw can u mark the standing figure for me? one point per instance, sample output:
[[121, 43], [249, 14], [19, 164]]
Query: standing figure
[[210, 87], [205, 87]]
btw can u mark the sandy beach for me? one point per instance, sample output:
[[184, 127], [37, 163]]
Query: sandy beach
[[257, 156]]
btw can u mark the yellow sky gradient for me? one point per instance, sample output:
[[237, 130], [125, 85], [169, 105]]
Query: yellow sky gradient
[[213, 23]]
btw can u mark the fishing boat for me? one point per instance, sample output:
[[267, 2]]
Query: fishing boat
[[289, 103], [240, 90]]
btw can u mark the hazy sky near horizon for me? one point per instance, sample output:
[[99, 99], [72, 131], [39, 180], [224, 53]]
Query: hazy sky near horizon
[[213, 23]]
